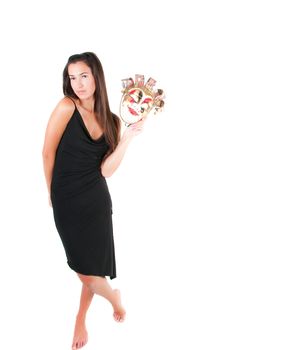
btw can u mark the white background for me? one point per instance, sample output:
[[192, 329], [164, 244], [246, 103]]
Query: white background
[[201, 199]]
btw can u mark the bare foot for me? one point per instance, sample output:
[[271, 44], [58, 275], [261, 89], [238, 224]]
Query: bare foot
[[119, 311], [80, 335]]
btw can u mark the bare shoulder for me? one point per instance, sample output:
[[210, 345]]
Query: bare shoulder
[[57, 123], [65, 106], [60, 116], [62, 112]]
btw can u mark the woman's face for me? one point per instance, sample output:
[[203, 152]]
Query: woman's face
[[81, 80]]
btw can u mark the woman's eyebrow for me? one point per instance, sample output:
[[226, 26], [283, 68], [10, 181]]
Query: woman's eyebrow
[[71, 75]]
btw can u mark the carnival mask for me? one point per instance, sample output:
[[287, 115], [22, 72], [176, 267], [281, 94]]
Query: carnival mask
[[139, 99]]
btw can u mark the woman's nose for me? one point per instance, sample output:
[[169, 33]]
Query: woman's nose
[[80, 84]]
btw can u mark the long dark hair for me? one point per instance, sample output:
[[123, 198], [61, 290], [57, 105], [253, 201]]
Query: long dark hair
[[108, 121]]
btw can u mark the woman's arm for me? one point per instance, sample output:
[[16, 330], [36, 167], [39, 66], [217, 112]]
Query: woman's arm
[[111, 164], [54, 131]]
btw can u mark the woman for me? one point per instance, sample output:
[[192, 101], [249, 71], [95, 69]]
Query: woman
[[82, 147]]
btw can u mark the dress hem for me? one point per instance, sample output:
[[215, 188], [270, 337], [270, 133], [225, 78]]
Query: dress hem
[[91, 274]]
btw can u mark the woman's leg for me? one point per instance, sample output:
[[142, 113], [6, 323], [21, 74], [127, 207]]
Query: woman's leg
[[80, 334], [99, 285]]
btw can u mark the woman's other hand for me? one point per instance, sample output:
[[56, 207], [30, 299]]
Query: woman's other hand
[[134, 129]]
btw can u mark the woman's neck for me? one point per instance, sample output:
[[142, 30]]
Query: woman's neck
[[88, 105]]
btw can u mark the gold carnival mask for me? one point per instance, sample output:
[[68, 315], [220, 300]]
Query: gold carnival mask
[[139, 99]]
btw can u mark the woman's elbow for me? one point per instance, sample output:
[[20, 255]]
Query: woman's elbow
[[105, 173]]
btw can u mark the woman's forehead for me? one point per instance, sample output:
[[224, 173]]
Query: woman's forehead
[[78, 68]]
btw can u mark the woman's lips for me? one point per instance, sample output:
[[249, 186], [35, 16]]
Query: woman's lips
[[132, 111]]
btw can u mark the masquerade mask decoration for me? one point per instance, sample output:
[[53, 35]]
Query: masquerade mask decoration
[[139, 99]]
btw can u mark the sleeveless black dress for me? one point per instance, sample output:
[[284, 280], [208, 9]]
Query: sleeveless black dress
[[81, 201]]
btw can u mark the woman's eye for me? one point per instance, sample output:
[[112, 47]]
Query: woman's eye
[[84, 76]]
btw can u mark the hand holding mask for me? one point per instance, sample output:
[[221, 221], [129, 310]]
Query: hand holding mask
[[139, 99]]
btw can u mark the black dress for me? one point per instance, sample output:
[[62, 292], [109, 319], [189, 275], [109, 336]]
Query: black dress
[[81, 201]]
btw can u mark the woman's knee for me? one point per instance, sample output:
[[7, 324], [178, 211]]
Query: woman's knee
[[89, 281]]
